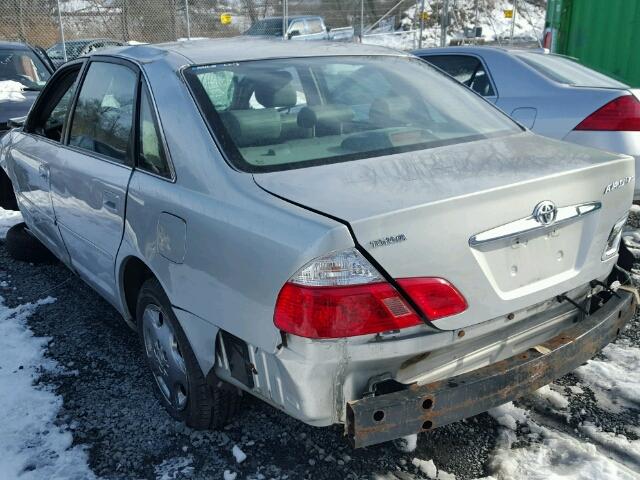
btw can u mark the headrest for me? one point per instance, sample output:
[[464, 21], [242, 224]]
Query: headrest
[[389, 110], [325, 116], [250, 128], [274, 89]]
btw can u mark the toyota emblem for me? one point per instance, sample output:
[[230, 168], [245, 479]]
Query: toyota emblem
[[545, 212]]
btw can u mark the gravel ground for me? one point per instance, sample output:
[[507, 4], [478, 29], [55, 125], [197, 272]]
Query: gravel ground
[[110, 407]]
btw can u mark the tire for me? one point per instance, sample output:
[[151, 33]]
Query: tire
[[179, 382], [23, 246]]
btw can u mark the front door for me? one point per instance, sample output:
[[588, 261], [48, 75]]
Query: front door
[[89, 185], [34, 151]]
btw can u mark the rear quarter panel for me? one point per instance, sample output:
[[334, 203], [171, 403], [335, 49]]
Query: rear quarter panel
[[241, 243], [559, 108]]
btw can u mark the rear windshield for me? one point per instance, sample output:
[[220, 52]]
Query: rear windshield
[[564, 70], [273, 115]]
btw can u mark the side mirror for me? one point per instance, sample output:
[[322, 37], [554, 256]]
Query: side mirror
[[17, 122], [293, 33]]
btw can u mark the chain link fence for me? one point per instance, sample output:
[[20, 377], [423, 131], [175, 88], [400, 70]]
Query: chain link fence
[[403, 24]]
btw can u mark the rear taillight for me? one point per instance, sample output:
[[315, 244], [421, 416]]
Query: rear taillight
[[621, 115], [343, 295], [333, 312], [436, 297], [548, 37]]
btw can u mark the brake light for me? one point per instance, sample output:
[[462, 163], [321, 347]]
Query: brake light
[[436, 297], [548, 37], [621, 115], [334, 312], [342, 295]]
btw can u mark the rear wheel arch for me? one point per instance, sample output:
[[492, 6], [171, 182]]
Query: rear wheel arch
[[134, 272]]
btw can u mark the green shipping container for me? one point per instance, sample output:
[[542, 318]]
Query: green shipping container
[[601, 34]]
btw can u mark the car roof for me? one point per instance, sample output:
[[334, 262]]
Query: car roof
[[87, 40], [14, 45], [238, 49], [473, 49]]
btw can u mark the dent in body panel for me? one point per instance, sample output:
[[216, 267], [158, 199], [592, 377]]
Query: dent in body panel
[[202, 337]]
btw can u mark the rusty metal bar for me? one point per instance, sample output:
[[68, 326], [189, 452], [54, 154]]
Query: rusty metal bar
[[381, 418]]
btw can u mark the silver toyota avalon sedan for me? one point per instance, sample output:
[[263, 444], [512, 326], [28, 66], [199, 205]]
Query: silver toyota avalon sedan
[[342, 231], [551, 94]]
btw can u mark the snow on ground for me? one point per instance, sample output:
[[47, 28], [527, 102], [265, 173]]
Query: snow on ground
[[615, 379], [174, 468], [551, 454], [33, 446], [8, 218], [239, 455], [556, 399]]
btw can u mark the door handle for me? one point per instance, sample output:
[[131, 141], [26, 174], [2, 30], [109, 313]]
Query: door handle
[[43, 170], [110, 201]]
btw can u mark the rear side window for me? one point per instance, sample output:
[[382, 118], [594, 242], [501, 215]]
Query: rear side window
[[564, 70], [299, 112], [151, 156], [103, 118], [466, 69]]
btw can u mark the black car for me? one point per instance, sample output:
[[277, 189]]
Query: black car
[[24, 70]]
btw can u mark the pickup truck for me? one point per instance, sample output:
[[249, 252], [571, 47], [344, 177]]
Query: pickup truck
[[302, 27]]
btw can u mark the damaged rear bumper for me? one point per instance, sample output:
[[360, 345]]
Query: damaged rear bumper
[[385, 417]]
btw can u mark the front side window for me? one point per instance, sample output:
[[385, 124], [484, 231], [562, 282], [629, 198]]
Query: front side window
[[103, 117], [320, 110], [296, 28], [466, 69], [50, 118], [22, 68], [151, 155]]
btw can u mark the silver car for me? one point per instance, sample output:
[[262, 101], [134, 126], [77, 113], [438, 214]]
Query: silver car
[[344, 231], [551, 94]]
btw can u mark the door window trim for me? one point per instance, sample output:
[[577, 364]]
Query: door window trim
[[142, 84], [129, 162], [42, 101], [464, 54]]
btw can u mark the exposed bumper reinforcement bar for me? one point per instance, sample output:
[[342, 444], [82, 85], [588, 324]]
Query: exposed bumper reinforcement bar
[[381, 418]]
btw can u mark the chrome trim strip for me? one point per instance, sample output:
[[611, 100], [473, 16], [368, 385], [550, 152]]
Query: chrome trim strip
[[530, 224]]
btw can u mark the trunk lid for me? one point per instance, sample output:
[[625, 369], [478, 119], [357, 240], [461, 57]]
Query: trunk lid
[[436, 213]]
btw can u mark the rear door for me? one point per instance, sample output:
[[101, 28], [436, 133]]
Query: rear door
[[89, 185], [36, 149]]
